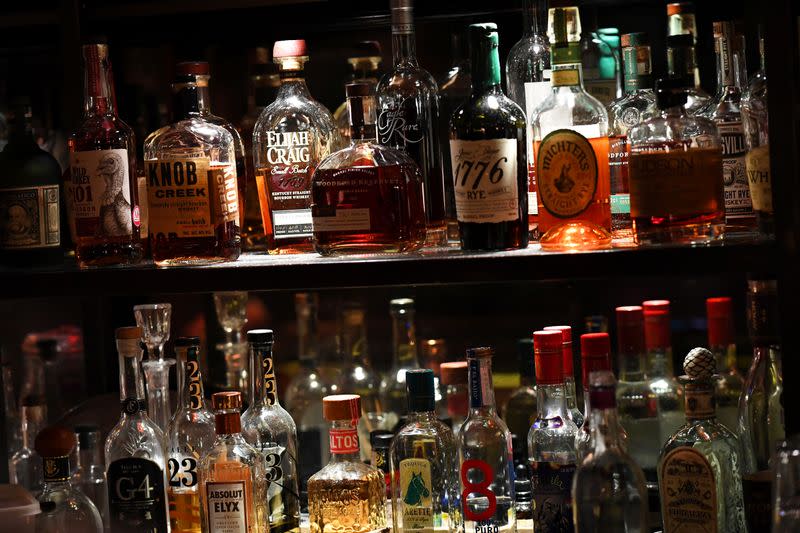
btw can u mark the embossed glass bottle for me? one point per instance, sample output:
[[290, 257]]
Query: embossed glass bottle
[[270, 429], [595, 350], [568, 368], [404, 358], [728, 383]]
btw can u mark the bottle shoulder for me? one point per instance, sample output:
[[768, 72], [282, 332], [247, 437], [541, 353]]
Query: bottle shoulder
[[669, 128], [347, 470], [136, 437], [294, 113], [493, 108], [567, 108], [407, 79], [187, 136], [271, 423], [368, 155]]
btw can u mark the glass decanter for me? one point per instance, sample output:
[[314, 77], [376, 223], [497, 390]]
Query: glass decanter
[[231, 308], [404, 357], [155, 319]]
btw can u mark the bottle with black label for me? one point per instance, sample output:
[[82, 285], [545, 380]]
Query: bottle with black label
[[135, 451]]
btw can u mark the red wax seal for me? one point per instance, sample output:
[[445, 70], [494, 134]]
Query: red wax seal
[[293, 48], [719, 312], [548, 357], [656, 330], [630, 329]]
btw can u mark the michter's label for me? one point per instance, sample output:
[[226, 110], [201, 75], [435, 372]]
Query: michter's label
[[98, 193], [566, 173], [227, 507], [344, 441], [55, 469], [551, 484], [688, 492], [136, 496], [417, 495], [29, 218], [734, 172], [757, 165]]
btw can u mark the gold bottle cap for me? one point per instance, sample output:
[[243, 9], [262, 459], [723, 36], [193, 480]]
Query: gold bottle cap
[[341, 407], [228, 400], [129, 333]]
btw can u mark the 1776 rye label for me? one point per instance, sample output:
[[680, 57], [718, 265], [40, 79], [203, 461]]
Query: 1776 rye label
[[29, 218], [551, 484], [227, 507], [416, 494], [136, 496], [566, 173], [688, 492]]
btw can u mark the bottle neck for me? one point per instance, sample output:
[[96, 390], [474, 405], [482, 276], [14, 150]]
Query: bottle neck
[[731, 68], [681, 63], [131, 384], [344, 444], [659, 363], [699, 400], [191, 396], [403, 39], [228, 423], [605, 427], [422, 417], [353, 341], [98, 95], [33, 420], [725, 357], [481, 388], [293, 85], [190, 99], [405, 340], [638, 73], [265, 386], [551, 401], [534, 14], [55, 472], [484, 65], [631, 365], [361, 112], [89, 457], [20, 128]]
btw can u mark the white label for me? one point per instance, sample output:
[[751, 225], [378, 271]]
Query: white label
[[227, 512], [344, 220], [533, 205], [290, 223], [734, 171], [535, 93], [485, 180]]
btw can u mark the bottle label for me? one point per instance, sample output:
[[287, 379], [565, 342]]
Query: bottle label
[[55, 469], [344, 441], [194, 379], [29, 218], [565, 77], [757, 491], [136, 496], [734, 173], [268, 380], [480, 383], [189, 197], [688, 492], [182, 471], [757, 165], [637, 66], [551, 485], [485, 180], [416, 492], [400, 123], [700, 402], [380, 460], [227, 507], [99, 194], [618, 160], [566, 173], [477, 499]]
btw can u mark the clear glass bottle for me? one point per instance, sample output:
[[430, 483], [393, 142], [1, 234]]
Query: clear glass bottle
[[189, 437], [364, 65], [728, 383], [347, 495], [485, 454], [192, 183], [433, 352], [551, 440], [12, 419], [270, 429], [425, 490], [25, 466], [700, 466], [595, 357], [135, 450], [568, 368], [90, 477], [404, 357], [456, 392], [408, 110], [292, 136], [231, 308], [381, 442], [231, 476], [608, 487], [682, 64], [64, 508], [519, 411]]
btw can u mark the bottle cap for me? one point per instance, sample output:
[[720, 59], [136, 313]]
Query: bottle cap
[[186, 342], [630, 329], [699, 365], [480, 351], [290, 48], [634, 39], [129, 333], [421, 396], [88, 435], [567, 365], [380, 439], [260, 336], [454, 373], [193, 68], [595, 355], [656, 330], [353, 90], [398, 304], [525, 358], [679, 8], [719, 312], [227, 401], [341, 407], [55, 441], [548, 353], [655, 305]]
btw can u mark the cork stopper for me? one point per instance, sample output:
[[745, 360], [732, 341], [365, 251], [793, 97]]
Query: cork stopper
[[341, 407], [699, 365], [129, 333], [227, 401], [55, 441], [454, 373]]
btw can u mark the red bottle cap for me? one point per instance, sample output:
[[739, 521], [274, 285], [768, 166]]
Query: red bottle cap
[[630, 329], [655, 305], [566, 347], [656, 330], [293, 48], [55, 441], [595, 355], [719, 312], [193, 68], [548, 357], [341, 407], [454, 373]]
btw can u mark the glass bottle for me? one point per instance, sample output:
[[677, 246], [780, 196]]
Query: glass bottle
[[192, 182], [568, 368], [25, 466], [686, 205], [135, 450], [231, 308], [570, 137], [12, 418], [551, 440], [408, 117], [90, 477], [599, 63], [700, 466], [101, 188], [487, 140], [189, 437], [64, 508], [381, 442], [292, 136], [364, 65], [433, 352], [155, 320], [454, 379], [231, 477], [682, 65], [728, 383], [404, 357], [485, 454], [595, 357], [346, 495], [608, 487], [681, 20], [519, 411], [425, 488]]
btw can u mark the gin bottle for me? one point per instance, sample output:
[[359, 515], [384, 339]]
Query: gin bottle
[[423, 460], [485, 454], [269, 429], [728, 383], [404, 357], [595, 350], [519, 411], [568, 368], [90, 477], [700, 466]]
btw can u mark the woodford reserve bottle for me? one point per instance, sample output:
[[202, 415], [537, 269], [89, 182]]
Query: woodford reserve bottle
[[100, 187], [193, 200]]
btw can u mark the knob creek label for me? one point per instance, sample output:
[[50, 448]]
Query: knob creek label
[[566, 173]]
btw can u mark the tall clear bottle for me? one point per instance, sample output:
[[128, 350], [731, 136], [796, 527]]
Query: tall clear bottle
[[404, 358], [270, 429], [595, 357], [728, 383], [519, 411], [25, 466], [551, 440], [135, 451], [485, 454], [568, 368], [189, 437], [90, 477]]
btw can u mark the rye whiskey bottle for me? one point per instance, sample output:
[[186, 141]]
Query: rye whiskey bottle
[[101, 188]]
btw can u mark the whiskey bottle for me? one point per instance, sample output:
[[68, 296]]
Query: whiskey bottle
[[456, 392], [488, 155], [192, 184], [292, 136], [101, 188], [682, 65], [364, 66], [346, 494], [728, 383], [519, 411], [404, 357], [568, 368], [595, 350]]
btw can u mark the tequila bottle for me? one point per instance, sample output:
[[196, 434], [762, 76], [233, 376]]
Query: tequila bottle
[[551, 440], [135, 451], [347, 495], [25, 466], [456, 392], [404, 357], [595, 350], [423, 459], [728, 383], [90, 477], [519, 411], [682, 65], [485, 455], [568, 368], [270, 430], [700, 466]]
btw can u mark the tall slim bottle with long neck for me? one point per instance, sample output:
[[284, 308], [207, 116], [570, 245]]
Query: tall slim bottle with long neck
[[595, 357], [568, 369], [25, 466], [404, 357], [728, 383], [485, 454]]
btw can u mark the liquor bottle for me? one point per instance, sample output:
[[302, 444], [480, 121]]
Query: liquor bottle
[[423, 458], [595, 350], [292, 136], [25, 466], [598, 62], [519, 411], [686, 205], [101, 188], [90, 477], [364, 65], [682, 65], [636, 105], [728, 383], [454, 378], [192, 182], [608, 487], [404, 356], [271, 431], [681, 20], [488, 155], [433, 352], [231, 476], [381, 442], [346, 494], [135, 450], [30, 212], [725, 111], [485, 454], [408, 117], [570, 136], [699, 469], [761, 422], [551, 440], [568, 368], [189, 437], [64, 508], [367, 197], [12, 417]]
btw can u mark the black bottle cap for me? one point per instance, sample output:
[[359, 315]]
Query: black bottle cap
[[48, 349], [525, 358], [185, 342], [676, 41], [88, 435], [670, 92], [358, 89], [381, 439], [260, 336], [421, 397]]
